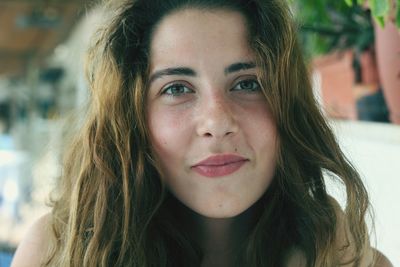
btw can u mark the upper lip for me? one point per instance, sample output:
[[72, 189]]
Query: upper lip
[[220, 159]]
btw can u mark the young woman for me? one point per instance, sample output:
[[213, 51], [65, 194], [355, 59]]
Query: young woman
[[203, 146]]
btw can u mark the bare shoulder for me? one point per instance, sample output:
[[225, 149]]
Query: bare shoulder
[[381, 260], [35, 245], [371, 257], [297, 259]]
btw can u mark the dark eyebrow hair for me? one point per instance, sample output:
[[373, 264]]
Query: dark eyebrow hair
[[190, 72], [239, 66], [172, 71]]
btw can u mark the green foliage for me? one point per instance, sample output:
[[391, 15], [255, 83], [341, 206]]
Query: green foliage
[[328, 25], [398, 13], [380, 9]]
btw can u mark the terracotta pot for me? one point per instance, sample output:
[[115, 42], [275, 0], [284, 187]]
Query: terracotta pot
[[369, 69], [387, 45], [337, 79], [368, 82]]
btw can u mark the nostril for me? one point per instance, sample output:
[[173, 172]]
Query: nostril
[[228, 133], [216, 121], [208, 134]]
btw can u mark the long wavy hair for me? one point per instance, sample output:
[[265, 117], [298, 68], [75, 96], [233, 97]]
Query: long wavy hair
[[111, 207]]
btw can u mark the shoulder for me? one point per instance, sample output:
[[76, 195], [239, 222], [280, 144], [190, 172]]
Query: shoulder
[[34, 247], [370, 257], [381, 260], [297, 259], [345, 244]]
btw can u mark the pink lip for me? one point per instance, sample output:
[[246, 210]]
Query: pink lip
[[219, 165]]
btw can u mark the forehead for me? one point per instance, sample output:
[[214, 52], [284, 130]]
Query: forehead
[[198, 36]]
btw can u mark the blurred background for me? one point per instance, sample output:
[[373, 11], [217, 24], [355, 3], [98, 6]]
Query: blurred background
[[352, 49]]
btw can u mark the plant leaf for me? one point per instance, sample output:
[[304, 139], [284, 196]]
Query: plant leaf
[[379, 9], [349, 2], [398, 14], [380, 21]]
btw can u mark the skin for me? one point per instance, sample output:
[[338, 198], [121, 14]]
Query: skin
[[212, 114], [34, 248], [218, 213]]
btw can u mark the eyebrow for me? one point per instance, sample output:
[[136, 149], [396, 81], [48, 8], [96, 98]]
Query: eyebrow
[[185, 71], [172, 71], [239, 66]]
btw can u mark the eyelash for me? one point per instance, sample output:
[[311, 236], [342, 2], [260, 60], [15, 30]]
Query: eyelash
[[187, 90], [171, 86], [250, 90]]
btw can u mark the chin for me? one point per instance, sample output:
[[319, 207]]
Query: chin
[[221, 211]]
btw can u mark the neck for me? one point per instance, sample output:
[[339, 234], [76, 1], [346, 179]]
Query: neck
[[220, 239]]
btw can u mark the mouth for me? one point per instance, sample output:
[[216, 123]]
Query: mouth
[[219, 165]]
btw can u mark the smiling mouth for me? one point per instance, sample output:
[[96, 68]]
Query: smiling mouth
[[219, 165]]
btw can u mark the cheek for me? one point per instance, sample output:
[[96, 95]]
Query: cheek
[[259, 125], [261, 135], [169, 132]]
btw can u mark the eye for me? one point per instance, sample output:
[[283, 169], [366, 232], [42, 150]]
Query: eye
[[176, 89], [249, 85]]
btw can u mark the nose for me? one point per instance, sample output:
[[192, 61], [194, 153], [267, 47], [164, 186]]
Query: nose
[[216, 118]]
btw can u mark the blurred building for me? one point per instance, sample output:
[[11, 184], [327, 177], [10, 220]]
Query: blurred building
[[42, 44]]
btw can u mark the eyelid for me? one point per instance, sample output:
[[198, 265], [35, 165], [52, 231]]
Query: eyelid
[[179, 82], [246, 78]]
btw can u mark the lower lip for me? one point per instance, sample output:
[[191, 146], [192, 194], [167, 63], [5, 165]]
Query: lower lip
[[219, 170]]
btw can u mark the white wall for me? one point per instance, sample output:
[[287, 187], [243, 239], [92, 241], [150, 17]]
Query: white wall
[[374, 149]]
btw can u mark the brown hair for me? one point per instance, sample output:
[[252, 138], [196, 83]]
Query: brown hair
[[113, 210]]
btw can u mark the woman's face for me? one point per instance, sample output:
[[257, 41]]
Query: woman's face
[[211, 129]]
